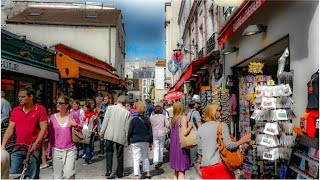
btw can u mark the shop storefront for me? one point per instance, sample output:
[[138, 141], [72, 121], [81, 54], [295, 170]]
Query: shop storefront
[[27, 64], [83, 76], [270, 69]]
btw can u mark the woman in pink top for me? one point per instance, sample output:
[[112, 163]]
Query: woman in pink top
[[61, 146]]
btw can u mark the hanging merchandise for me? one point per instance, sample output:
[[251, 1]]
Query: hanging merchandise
[[274, 130], [222, 97]]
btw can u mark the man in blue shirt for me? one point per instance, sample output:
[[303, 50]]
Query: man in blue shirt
[[150, 108]]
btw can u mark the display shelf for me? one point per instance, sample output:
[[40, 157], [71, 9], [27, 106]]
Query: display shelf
[[309, 141], [301, 172], [302, 155]]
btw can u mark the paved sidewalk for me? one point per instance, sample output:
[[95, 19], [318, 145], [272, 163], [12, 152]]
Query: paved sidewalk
[[97, 169]]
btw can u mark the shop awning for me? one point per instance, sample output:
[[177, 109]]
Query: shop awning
[[68, 67], [192, 68], [242, 14], [90, 71]]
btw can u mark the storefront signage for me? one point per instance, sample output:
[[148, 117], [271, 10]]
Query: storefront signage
[[254, 6], [241, 15], [255, 67], [26, 69], [11, 66]]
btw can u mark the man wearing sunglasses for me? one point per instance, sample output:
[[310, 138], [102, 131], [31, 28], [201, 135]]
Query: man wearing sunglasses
[[29, 122]]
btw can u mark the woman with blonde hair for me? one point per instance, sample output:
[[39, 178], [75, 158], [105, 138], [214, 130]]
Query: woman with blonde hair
[[210, 162], [179, 157], [140, 138], [61, 146]]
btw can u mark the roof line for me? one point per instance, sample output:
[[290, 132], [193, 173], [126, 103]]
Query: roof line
[[59, 23]]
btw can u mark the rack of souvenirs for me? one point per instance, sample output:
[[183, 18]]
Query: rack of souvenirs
[[247, 99], [272, 130], [222, 96]]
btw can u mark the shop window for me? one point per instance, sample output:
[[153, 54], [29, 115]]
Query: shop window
[[7, 86]]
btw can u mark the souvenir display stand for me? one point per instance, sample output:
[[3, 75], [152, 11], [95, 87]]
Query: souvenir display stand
[[272, 132], [205, 98], [222, 97], [304, 163], [265, 160]]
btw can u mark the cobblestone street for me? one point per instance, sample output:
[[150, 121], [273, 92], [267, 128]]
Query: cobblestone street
[[97, 169]]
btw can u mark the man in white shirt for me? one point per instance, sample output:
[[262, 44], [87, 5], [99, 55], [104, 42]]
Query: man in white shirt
[[5, 107]]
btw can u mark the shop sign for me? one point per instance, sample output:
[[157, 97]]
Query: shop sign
[[26, 69], [254, 6], [255, 67]]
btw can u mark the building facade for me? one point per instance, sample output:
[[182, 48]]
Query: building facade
[[101, 28], [160, 84], [25, 64], [290, 24], [172, 36]]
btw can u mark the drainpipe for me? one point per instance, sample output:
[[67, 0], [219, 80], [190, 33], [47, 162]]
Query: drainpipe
[[110, 46]]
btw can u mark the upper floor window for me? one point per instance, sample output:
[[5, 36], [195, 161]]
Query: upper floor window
[[144, 82], [227, 11]]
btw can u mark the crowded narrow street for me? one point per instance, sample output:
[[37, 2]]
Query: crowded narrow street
[[159, 89]]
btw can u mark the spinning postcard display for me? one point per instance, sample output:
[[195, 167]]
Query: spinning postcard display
[[273, 115]]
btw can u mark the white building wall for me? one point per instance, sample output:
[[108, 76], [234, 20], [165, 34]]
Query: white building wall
[[299, 20], [172, 36], [91, 40]]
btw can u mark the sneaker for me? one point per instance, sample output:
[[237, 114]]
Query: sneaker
[[44, 166], [84, 156]]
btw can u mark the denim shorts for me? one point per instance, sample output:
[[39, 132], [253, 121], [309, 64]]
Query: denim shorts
[[17, 158]]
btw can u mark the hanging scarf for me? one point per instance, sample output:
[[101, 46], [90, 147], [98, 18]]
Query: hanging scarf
[[87, 116]]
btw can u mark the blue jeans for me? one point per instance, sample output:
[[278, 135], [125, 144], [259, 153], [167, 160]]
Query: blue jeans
[[88, 149], [102, 142], [17, 159]]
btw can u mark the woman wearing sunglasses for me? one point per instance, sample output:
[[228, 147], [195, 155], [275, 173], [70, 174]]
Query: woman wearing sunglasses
[[209, 155], [61, 146]]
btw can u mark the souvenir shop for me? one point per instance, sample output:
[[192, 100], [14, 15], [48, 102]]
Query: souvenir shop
[[272, 65], [84, 77], [27, 64]]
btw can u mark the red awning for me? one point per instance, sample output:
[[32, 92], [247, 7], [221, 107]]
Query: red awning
[[173, 96], [242, 14], [192, 68]]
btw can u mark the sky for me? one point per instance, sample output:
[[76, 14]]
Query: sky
[[144, 27]]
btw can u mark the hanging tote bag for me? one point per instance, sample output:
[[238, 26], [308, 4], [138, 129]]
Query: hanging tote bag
[[77, 135], [188, 141], [231, 159]]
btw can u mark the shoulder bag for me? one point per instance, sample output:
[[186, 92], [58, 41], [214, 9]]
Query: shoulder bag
[[232, 159], [77, 135], [188, 141]]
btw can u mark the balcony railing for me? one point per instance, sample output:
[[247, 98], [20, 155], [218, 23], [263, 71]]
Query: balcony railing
[[200, 53], [227, 11], [211, 43]]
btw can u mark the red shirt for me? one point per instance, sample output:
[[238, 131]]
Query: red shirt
[[27, 124]]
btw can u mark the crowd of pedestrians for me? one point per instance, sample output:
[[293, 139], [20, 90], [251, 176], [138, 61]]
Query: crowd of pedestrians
[[142, 125]]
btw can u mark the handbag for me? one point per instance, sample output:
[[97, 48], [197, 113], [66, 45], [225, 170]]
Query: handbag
[[167, 142], [232, 159], [86, 136], [77, 135], [188, 141]]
